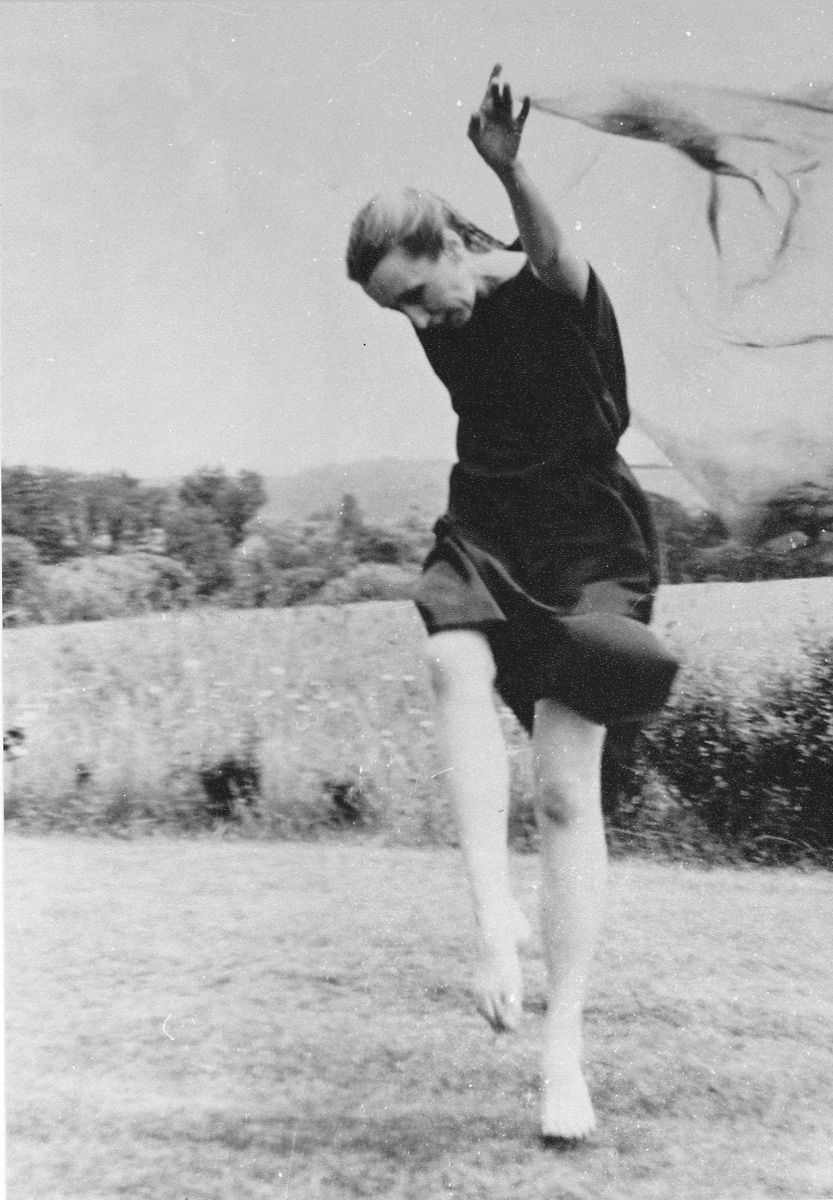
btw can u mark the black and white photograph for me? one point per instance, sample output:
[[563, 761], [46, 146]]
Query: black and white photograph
[[417, 501]]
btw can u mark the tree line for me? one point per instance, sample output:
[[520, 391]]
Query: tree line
[[85, 547]]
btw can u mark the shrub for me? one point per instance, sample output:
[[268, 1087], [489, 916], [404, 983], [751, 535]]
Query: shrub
[[256, 579], [197, 539], [754, 777], [21, 579], [370, 581], [229, 786], [91, 589]]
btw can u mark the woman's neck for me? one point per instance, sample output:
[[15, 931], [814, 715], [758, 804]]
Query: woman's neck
[[494, 268]]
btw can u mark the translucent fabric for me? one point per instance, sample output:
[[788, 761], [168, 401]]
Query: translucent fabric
[[731, 283]]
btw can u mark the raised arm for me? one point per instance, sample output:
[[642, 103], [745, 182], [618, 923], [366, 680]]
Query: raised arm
[[496, 135]]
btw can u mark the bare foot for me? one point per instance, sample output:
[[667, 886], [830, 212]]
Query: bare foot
[[498, 982], [566, 1111]]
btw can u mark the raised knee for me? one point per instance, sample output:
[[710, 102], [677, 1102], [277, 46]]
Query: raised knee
[[458, 670], [440, 674], [451, 680]]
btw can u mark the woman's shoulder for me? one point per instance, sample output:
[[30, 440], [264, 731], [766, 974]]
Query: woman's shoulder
[[536, 305], [526, 285]]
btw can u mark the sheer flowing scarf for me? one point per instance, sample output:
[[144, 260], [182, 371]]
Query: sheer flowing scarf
[[739, 386]]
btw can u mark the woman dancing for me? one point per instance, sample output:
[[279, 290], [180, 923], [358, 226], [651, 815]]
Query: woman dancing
[[542, 575]]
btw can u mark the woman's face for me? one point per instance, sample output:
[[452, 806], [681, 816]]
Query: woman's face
[[429, 291]]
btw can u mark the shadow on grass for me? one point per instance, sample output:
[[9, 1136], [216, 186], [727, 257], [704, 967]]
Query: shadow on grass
[[410, 1138]]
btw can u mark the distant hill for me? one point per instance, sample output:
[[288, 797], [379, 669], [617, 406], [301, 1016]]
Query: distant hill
[[387, 489]]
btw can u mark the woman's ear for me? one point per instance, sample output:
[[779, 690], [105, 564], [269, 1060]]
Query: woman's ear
[[452, 243]]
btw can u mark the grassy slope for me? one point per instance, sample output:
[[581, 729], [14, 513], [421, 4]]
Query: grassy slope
[[312, 693], [218, 1020]]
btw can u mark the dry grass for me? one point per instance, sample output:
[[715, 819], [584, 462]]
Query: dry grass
[[121, 716], [272, 1021], [143, 705]]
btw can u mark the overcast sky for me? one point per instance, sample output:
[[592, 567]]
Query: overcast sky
[[180, 179]]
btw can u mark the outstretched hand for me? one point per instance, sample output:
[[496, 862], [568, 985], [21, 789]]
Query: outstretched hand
[[494, 131]]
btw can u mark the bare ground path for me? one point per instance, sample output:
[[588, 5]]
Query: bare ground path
[[236, 1020]]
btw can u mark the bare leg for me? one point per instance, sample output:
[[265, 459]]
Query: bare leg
[[473, 751], [568, 752]]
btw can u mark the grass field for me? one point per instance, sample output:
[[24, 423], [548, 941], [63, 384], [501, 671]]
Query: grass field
[[227, 1020], [121, 717]]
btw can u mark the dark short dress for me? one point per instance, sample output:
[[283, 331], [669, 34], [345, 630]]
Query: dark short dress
[[547, 544]]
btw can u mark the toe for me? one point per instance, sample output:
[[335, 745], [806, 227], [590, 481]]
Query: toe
[[510, 1013], [487, 1008]]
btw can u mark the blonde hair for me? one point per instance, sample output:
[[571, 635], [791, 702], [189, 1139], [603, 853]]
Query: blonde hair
[[411, 220]]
